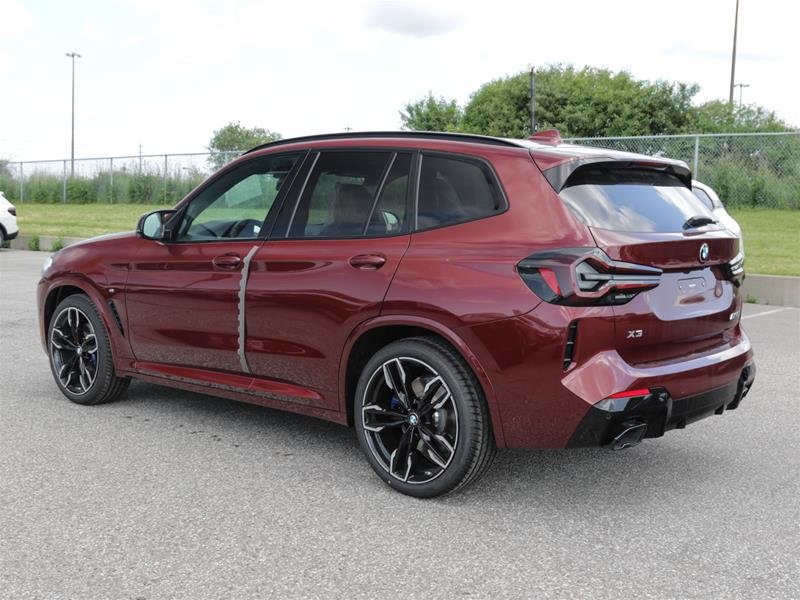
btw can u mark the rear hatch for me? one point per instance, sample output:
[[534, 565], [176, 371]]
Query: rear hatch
[[644, 213]]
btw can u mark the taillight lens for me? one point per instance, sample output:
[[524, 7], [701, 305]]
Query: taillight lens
[[734, 270], [585, 277], [12, 210]]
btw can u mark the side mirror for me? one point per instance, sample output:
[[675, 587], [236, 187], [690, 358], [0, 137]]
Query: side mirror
[[152, 225]]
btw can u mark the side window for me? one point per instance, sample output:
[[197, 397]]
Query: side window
[[235, 206], [454, 190], [352, 194]]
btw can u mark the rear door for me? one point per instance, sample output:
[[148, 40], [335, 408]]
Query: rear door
[[648, 215], [326, 268]]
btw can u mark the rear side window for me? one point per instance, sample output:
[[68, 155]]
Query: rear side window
[[454, 190], [632, 200], [352, 194], [704, 198]]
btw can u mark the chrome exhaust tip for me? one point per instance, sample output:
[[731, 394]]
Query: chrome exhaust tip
[[628, 435]]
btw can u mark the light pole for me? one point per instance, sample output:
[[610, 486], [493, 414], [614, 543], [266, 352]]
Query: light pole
[[740, 86], [73, 56], [733, 54]]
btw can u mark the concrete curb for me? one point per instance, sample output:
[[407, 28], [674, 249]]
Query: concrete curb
[[45, 242], [780, 290], [763, 289]]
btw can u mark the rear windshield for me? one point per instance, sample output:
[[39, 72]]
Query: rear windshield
[[635, 200]]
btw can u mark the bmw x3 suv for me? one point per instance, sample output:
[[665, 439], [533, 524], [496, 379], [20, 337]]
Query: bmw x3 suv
[[445, 295]]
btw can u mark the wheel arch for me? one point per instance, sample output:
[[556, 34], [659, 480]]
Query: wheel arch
[[374, 334], [64, 288]]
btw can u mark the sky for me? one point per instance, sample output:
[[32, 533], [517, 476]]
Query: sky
[[166, 73]]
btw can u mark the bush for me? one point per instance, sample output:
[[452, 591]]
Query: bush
[[58, 244], [33, 243]]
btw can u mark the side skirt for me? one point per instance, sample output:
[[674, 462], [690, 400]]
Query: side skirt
[[241, 388]]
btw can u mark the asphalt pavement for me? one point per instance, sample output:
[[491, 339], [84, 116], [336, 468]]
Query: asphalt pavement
[[168, 494]]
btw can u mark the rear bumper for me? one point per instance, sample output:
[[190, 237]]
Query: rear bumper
[[653, 415]]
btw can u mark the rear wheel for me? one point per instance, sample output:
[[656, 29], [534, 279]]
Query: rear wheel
[[421, 418], [80, 353]]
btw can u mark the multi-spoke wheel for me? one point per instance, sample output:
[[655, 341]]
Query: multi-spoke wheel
[[421, 418], [80, 353]]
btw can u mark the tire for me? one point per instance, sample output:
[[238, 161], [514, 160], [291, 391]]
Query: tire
[[80, 353], [2, 238], [440, 409]]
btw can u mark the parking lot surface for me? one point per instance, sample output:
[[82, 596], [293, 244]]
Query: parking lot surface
[[168, 494]]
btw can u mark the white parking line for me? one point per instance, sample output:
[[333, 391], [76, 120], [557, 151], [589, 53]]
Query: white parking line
[[768, 312]]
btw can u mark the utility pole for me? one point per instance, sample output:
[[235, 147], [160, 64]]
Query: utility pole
[[533, 99], [740, 86], [733, 54], [73, 56]]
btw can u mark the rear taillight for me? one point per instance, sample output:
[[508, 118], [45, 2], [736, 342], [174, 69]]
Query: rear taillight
[[12, 210], [584, 277], [734, 270]]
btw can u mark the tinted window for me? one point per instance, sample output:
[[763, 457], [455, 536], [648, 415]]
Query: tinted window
[[340, 198], [235, 205], [453, 190], [703, 197], [389, 215], [635, 200]]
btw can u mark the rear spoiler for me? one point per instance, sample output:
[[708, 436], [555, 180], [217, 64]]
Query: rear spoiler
[[558, 175]]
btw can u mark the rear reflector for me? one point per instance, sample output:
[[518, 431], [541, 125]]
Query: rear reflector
[[631, 393]]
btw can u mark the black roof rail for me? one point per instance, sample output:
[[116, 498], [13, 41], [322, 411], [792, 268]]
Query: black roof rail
[[438, 135]]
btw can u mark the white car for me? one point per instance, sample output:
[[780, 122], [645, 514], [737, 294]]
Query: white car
[[8, 220], [709, 197]]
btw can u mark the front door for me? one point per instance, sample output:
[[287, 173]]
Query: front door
[[326, 268], [183, 294]]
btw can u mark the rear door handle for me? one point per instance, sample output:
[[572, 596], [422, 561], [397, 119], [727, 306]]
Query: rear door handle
[[227, 261], [368, 262]]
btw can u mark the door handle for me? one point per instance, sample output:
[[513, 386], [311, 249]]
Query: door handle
[[368, 262], [227, 261]]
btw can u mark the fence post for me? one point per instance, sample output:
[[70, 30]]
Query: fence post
[[21, 183], [64, 183], [165, 179], [111, 179], [696, 155]]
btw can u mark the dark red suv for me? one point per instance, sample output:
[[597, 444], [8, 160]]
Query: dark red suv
[[444, 294]]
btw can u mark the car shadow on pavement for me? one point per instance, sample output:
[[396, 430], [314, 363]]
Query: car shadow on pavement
[[590, 477]]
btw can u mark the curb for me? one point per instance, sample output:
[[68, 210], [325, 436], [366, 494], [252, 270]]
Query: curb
[[781, 290], [45, 242], [778, 290]]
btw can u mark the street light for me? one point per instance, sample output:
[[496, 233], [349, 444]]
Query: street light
[[733, 54], [73, 56], [740, 86]]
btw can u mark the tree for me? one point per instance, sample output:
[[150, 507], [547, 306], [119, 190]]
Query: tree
[[580, 103], [718, 116], [233, 139], [432, 114]]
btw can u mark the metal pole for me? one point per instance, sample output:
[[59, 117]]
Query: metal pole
[[165, 178], [111, 180], [733, 54], [73, 56], [64, 184], [696, 155], [533, 101], [21, 183]]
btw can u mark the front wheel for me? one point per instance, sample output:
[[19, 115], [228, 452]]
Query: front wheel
[[421, 418], [80, 353]]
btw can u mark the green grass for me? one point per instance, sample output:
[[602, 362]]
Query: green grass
[[771, 240], [772, 237], [79, 220]]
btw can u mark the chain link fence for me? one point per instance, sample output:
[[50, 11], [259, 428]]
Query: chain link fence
[[746, 169], [759, 169], [141, 179]]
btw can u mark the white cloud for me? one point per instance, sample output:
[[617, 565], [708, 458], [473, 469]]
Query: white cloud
[[413, 19]]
